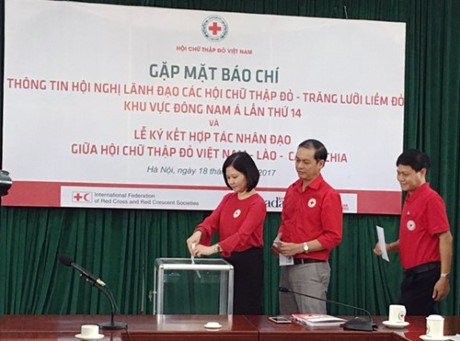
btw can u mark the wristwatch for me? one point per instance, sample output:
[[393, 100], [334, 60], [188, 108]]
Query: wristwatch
[[445, 275], [305, 247]]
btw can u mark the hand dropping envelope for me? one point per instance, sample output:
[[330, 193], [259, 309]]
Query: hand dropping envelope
[[382, 244]]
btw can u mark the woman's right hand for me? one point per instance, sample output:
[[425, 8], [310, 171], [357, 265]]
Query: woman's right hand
[[193, 241]]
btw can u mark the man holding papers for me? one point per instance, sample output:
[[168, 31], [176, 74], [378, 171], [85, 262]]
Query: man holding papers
[[425, 241], [311, 225]]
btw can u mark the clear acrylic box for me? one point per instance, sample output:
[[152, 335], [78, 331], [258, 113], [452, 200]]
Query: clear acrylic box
[[202, 286]]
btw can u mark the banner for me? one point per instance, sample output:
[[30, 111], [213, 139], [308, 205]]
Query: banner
[[138, 107]]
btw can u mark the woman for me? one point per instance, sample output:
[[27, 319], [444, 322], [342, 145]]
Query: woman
[[239, 219]]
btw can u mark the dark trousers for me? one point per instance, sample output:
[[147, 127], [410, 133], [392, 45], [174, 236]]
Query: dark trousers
[[248, 285], [417, 289]]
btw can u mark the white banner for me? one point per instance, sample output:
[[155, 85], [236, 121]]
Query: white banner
[[147, 101]]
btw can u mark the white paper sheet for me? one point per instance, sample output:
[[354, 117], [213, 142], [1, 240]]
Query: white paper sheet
[[286, 260], [382, 243]]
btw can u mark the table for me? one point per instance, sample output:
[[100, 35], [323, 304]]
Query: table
[[269, 331], [191, 328], [140, 327]]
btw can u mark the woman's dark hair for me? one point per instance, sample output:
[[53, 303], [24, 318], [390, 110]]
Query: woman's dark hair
[[243, 163], [415, 159]]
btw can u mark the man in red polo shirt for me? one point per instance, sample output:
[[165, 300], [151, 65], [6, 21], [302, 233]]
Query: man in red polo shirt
[[425, 241], [311, 225]]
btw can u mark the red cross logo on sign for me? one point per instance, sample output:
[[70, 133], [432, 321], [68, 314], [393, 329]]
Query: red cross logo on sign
[[214, 28]]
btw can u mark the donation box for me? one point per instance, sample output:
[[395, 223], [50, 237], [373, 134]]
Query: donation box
[[193, 286]]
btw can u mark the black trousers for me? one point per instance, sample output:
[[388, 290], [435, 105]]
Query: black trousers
[[417, 289], [248, 269]]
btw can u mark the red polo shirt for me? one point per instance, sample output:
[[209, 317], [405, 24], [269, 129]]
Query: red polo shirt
[[423, 218], [315, 213], [240, 223]]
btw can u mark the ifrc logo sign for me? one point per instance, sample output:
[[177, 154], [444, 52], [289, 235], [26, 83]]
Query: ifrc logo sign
[[214, 28], [82, 197]]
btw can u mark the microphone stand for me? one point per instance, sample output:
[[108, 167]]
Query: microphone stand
[[111, 325], [98, 283], [357, 323]]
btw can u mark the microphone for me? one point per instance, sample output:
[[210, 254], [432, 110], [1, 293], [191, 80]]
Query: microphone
[[97, 282], [83, 272], [357, 323]]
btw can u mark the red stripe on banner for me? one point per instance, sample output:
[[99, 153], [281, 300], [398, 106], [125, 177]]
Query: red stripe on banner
[[35, 194], [369, 202], [48, 194], [377, 202]]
